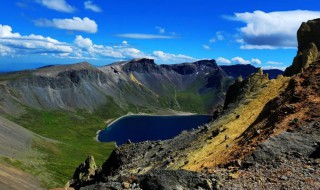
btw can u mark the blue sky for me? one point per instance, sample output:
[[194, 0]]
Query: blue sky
[[34, 33]]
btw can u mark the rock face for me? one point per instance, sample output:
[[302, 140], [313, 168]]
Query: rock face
[[308, 47], [180, 179], [309, 33], [300, 143], [239, 90], [84, 173]]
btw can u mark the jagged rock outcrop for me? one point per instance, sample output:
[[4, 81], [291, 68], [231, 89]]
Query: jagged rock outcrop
[[309, 33], [84, 174], [308, 47], [242, 88]]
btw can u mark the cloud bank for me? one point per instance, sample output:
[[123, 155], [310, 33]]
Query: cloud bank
[[57, 5], [73, 24], [238, 60], [14, 44], [144, 36], [273, 29], [90, 6]]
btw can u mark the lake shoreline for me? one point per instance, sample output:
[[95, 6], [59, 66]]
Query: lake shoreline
[[166, 113]]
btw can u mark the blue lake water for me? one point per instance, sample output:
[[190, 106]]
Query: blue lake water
[[139, 128]]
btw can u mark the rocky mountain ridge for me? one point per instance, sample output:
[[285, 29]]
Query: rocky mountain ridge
[[138, 82]]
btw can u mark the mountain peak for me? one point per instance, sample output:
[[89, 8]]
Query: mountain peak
[[207, 62], [140, 65], [142, 61], [309, 33]]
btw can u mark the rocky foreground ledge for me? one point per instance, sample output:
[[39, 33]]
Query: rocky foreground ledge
[[288, 161]]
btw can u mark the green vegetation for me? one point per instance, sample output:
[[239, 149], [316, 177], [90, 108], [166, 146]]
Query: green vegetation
[[14, 76], [71, 138], [190, 102]]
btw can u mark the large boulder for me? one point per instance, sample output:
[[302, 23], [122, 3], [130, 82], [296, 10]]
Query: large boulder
[[84, 174], [308, 46], [307, 33]]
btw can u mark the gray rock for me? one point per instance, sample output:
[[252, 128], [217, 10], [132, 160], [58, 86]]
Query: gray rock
[[300, 142]]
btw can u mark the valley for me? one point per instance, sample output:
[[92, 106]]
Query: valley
[[67, 105]]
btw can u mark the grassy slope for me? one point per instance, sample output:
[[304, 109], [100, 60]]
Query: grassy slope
[[75, 135], [214, 151]]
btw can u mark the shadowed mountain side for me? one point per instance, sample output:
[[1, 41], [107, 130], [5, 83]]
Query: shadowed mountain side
[[246, 70]]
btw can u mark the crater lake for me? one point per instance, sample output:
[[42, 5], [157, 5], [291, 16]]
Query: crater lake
[[139, 128]]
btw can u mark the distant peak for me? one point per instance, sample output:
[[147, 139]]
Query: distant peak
[[207, 62], [141, 65], [82, 64], [54, 70], [143, 61]]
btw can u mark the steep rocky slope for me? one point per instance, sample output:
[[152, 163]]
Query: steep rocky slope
[[266, 137], [16, 146], [15, 179], [14, 139]]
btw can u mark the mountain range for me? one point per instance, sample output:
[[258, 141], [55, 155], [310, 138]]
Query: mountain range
[[138, 82]]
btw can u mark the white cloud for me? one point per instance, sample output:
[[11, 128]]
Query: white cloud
[[238, 60], [272, 30], [123, 50], [259, 47], [160, 29], [273, 67], [255, 61], [223, 61], [5, 50], [274, 63], [16, 44], [90, 6], [144, 36], [83, 43], [57, 5], [206, 47], [74, 24], [218, 37], [169, 57]]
